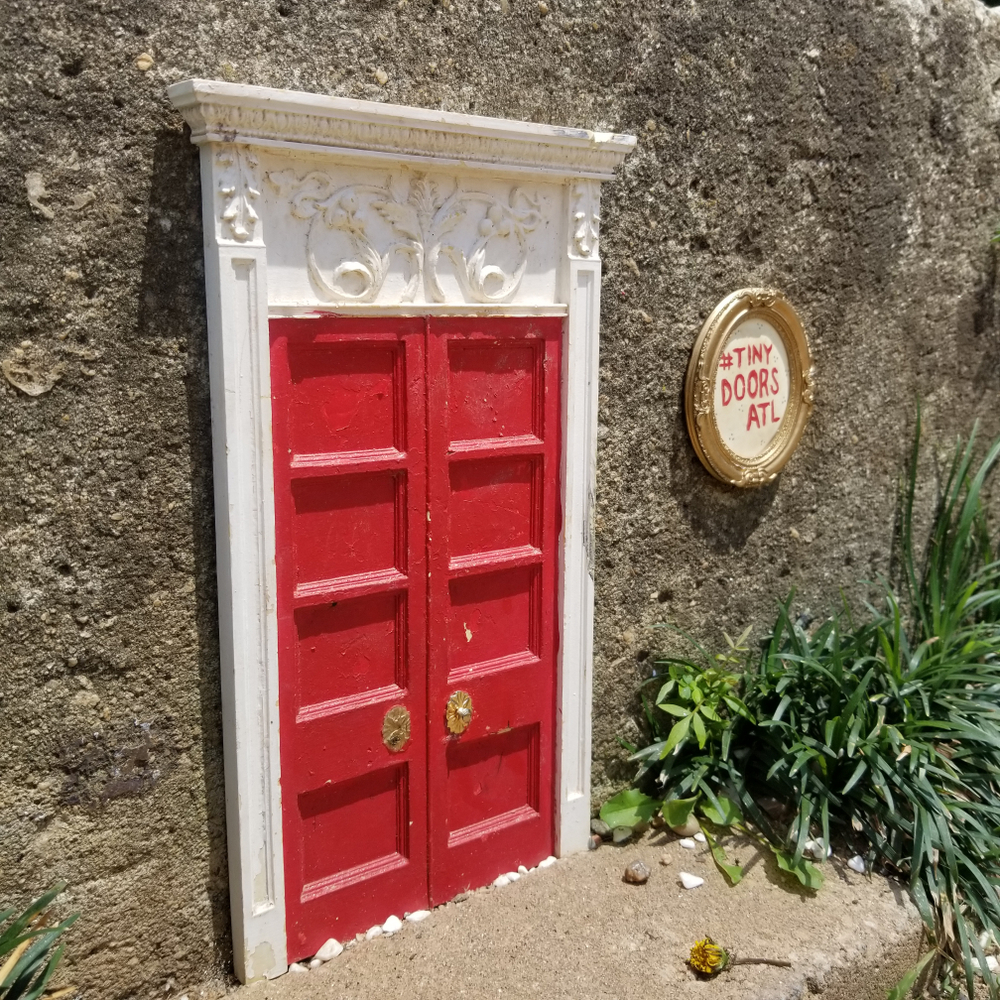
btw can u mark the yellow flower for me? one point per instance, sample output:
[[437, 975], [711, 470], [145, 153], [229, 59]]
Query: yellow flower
[[707, 957]]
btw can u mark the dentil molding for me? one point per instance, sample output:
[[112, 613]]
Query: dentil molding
[[237, 113]]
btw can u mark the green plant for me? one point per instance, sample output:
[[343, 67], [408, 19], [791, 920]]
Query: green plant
[[882, 729], [26, 949]]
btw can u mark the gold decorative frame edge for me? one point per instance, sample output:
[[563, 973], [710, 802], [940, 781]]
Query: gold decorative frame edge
[[722, 463]]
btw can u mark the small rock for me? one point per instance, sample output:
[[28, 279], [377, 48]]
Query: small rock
[[521, 870], [297, 967], [700, 838], [599, 827], [690, 881], [665, 859], [543, 7], [330, 950], [512, 876], [392, 925], [374, 932], [621, 834], [500, 881], [315, 963], [688, 829], [687, 843], [381, 77], [857, 863], [144, 62], [417, 916], [548, 862], [32, 369], [593, 842], [35, 184], [636, 873], [991, 963]]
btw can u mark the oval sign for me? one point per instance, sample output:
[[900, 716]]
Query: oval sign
[[749, 388]]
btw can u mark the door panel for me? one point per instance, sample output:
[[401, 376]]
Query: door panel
[[349, 476], [493, 459]]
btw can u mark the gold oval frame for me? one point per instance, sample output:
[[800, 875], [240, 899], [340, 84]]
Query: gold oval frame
[[699, 387]]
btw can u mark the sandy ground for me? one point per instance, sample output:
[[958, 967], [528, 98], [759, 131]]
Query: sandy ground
[[577, 930]]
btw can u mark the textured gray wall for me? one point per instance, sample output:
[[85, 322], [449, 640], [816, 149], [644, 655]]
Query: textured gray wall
[[846, 152]]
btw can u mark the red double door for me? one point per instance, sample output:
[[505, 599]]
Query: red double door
[[416, 475]]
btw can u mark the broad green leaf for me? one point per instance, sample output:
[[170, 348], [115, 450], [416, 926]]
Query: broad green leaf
[[629, 808], [671, 709], [677, 812], [678, 732], [728, 815], [805, 871], [698, 724], [733, 872]]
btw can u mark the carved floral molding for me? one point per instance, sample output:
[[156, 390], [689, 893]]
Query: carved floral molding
[[420, 219], [238, 191], [586, 197]]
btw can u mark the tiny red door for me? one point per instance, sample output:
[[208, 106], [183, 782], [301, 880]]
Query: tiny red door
[[493, 480], [349, 486], [416, 480]]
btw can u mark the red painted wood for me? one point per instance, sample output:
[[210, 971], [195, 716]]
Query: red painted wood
[[416, 472], [350, 523], [493, 484]]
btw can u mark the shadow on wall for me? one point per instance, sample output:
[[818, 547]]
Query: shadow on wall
[[724, 516], [172, 306]]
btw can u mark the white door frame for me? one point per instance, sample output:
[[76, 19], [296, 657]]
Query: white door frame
[[317, 204]]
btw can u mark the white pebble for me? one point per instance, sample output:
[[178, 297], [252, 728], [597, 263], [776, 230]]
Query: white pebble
[[512, 876], [500, 881], [521, 870], [991, 963], [687, 843], [690, 881], [857, 863], [373, 932], [701, 838], [814, 849], [547, 863], [315, 963], [297, 967], [330, 950], [392, 925], [531, 871], [417, 915]]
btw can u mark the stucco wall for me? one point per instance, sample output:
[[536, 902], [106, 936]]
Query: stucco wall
[[846, 152]]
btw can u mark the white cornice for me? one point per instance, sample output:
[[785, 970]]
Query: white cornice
[[232, 112]]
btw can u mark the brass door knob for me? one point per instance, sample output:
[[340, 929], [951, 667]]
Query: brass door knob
[[458, 713], [396, 728]]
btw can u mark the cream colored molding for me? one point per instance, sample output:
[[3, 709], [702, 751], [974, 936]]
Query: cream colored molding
[[316, 204], [233, 112]]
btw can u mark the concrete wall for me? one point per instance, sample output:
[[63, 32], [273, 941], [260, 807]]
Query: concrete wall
[[846, 152]]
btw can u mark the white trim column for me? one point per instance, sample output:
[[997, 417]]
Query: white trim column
[[240, 373], [582, 291]]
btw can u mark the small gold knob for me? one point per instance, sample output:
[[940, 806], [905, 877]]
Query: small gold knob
[[458, 714], [396, 728]]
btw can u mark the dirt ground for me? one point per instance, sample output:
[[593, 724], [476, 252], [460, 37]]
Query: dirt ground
[[577, 930]]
